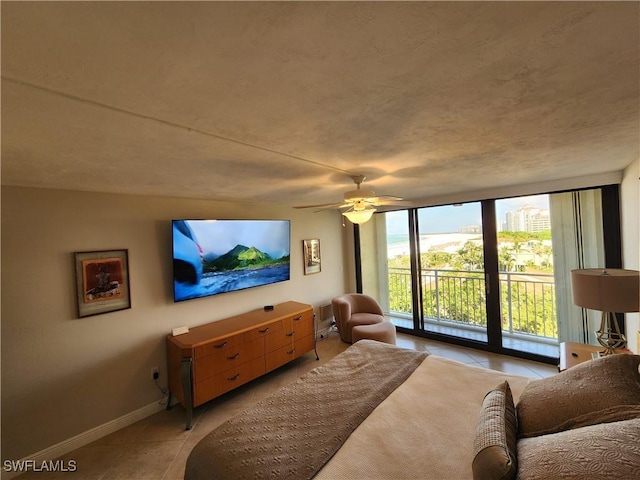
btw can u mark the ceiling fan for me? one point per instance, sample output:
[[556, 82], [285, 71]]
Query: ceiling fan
[[360, 203]]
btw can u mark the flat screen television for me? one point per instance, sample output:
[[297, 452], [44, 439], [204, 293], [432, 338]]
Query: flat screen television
[[218, 256]]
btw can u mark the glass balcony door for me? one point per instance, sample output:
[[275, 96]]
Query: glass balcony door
[[451, 271], [528, 311], [495, 273], [458, 249], [398, 281]]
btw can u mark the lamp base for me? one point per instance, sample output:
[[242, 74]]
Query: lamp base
[[609, 335]]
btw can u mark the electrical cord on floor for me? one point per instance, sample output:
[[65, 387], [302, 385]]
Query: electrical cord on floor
[[165, 393], [332, 328]]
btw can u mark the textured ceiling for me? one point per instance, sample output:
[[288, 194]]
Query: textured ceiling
[[282, 101]]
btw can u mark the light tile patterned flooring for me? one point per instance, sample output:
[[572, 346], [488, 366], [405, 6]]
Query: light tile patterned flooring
[[157, 447]]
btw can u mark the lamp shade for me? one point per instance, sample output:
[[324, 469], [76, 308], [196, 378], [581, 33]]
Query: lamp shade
[[607, 290], [359, 216]]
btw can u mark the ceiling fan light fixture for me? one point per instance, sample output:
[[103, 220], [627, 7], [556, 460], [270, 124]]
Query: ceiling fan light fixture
[[353, 196], [360, 216]]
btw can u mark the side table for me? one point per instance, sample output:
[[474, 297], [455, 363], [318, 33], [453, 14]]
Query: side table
[[572, 354]]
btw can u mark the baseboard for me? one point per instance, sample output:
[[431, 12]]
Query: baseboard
[[86, 438]]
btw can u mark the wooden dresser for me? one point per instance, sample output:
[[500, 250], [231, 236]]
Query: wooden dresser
[[217, 357]]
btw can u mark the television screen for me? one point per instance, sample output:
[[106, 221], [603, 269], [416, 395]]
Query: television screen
[[219, 256]]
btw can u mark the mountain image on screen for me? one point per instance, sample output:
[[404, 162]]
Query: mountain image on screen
[[241, 257], [220, 256]]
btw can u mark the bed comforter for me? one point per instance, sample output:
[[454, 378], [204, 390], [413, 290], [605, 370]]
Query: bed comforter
[[375, 411]]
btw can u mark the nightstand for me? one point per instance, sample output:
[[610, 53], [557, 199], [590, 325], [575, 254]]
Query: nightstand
[[571, 354]]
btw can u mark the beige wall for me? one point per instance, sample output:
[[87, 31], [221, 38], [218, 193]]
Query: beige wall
[[630, 219], [62, 376]]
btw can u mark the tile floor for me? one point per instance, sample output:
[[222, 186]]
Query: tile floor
[[157, 447]]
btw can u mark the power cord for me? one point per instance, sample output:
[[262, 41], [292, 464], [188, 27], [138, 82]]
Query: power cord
[[165, 393]]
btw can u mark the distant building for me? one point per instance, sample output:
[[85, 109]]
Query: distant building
[[539, 222], [528, 219], [470, 229]]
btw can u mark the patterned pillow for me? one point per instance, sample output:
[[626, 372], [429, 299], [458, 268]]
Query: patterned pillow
[[604, 451], [494, 445], [603, 390]]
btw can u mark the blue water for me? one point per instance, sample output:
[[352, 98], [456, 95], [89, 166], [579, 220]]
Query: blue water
[[397, 238], [214, 283]]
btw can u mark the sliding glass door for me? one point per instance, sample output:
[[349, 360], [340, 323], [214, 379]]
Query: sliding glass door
[[397, 291], [526, 269], [493, 273], [451, 271]]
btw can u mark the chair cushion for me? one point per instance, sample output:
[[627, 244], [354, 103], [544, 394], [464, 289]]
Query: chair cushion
[[382, 332], [364, 319], [603, 390], [607, 450], [494, 445]]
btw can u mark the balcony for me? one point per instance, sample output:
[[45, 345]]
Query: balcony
[[453, 302]]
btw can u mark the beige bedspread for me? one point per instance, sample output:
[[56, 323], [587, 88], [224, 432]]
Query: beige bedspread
[[424, 429], [292, 433]]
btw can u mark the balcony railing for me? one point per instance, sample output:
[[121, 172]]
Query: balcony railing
[[457, 297]]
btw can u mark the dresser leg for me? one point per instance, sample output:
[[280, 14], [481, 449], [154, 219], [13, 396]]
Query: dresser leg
[[185, 376]]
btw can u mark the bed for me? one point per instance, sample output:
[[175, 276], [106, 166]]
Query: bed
[[377, 411], [374, 411]]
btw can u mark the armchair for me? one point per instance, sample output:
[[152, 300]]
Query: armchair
[[352, 309]]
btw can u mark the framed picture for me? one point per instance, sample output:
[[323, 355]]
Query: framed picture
[[311, 255], [102, 282]]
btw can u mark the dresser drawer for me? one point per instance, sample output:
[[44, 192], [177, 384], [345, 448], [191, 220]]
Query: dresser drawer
[[228, 357], [291, 351], [295, 326], [302, 324], [226, 381], [223, 344], [264, 330], [303, 345], [280, 356]]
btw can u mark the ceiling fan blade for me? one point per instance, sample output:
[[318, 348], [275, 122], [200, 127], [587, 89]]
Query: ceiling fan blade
[[360, 196], [391, 201], [320, 205], [384, 200]]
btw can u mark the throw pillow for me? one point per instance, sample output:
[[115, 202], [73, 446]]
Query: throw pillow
[[494, 444], [603, 390], [604, 451]]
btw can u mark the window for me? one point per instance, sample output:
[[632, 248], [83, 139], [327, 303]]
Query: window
[[492, 274]]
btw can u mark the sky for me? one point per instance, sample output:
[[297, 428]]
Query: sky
[[220, 236], [449, 218]]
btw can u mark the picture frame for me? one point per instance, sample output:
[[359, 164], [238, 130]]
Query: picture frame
[[102, 282], [311, 256]]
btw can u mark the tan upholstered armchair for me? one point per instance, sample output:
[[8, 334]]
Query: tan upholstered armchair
[[353, 309]]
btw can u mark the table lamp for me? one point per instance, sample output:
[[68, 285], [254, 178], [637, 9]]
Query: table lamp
[[610, 290]]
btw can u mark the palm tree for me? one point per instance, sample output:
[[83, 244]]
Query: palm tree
[[506, 258]]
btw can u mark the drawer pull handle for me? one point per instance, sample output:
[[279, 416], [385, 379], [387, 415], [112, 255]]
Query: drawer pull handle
[[291, 334], [265, 330], [233, 357], [299, 317], [235, 377], [291, 352], [222, 345]]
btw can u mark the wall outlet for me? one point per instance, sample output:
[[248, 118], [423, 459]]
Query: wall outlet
[[155, 373]]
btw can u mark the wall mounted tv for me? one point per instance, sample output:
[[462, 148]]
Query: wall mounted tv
[[219, 256]]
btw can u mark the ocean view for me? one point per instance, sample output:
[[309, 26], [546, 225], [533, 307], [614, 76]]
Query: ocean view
[[398, 244]]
